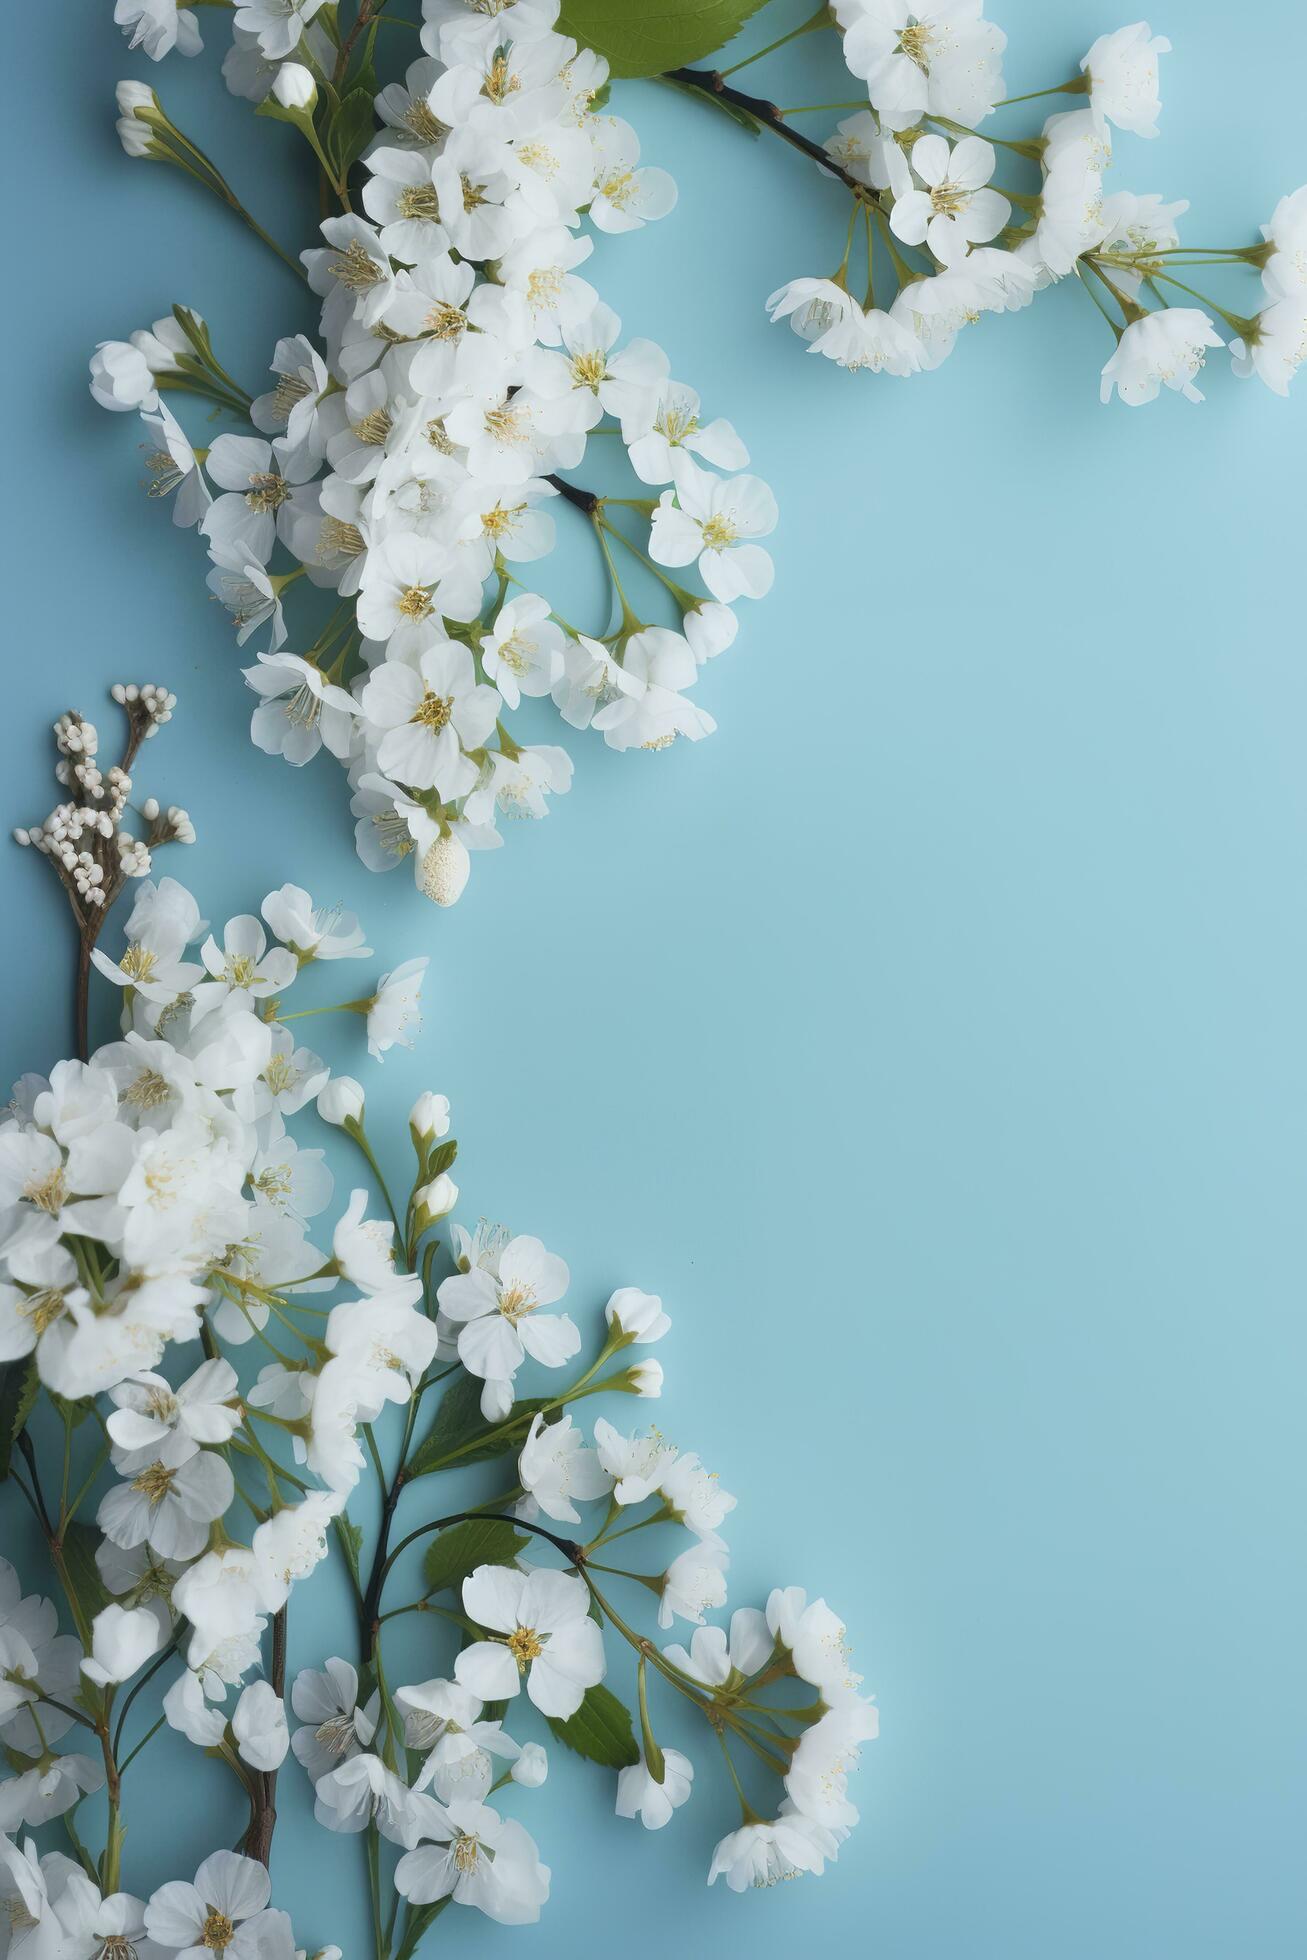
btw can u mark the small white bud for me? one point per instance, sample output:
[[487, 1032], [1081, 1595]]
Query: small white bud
[[531, 1767], [133, 96], [435, 1200], [341, 1101], [429, 1117], [294, 87]]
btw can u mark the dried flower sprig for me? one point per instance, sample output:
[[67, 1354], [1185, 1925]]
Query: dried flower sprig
[[93, 855]]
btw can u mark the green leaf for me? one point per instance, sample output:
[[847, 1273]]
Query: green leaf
[[350, 129], [460, 1548], [600, 1730], [80, 1572], [461, 1434], [351, 1543], [442, 1157], [647, 37], [19, 1383]]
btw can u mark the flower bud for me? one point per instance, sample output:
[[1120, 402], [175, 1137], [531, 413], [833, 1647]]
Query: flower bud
[[132, 96], [428, 1118], [531, 1767], [710, 628], [122, 1640], [121, 377], [435, 1200], [636, 1316], [341, 1101], [139, 114], [646, 1379], [134, 137], [294, 87], [164, 345], [443, 871]]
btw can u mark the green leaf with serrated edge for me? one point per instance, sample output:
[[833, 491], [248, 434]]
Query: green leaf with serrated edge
[[460, 1548], [19, 1383], [648, 39], [600, 1730], [350, 129], [81, 1574], [461, 1434], [351, 1542]]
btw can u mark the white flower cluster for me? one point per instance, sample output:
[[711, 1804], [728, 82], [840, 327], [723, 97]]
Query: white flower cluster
[[539, 1629], [165, 1158], [411, 462], [58, 1912], [949, 246], [153, 1199]]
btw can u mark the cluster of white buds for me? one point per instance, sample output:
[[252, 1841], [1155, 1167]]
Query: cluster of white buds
[[83, 839], [170, 826], [153, 703]]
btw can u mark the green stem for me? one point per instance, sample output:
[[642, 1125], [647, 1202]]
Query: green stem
[[813, 108], [821, 19], [1078, 85]]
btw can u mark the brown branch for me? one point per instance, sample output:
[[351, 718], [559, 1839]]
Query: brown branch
[[257, 1842], [366, 10], [370, 1609], [584, 500], [767, 116]]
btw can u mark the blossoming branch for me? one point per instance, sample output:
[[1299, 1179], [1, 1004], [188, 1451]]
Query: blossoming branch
[[167, 1271], [411, 460], [933, 241]]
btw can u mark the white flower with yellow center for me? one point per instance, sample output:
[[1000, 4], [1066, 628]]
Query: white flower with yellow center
[[540, 270], [541, 1633], [175, 468], [472, 181], [955, 209], [151, 1419], [334, 1727], [715, 521], [443, 1722], [425, 716], [626, 196], [669, 421], [244, 964], [477, 1858], [523, 651], [1163, 350], [354, 263], [263, 485], [224, 1912], [400, 198], [168, 1507], [499, 1321], [939, 57], [398, 598]]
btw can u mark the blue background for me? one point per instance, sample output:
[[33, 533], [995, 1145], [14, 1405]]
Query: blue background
[[931, 1038]]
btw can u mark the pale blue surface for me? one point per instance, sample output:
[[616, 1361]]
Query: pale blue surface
[[931, 1038]]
